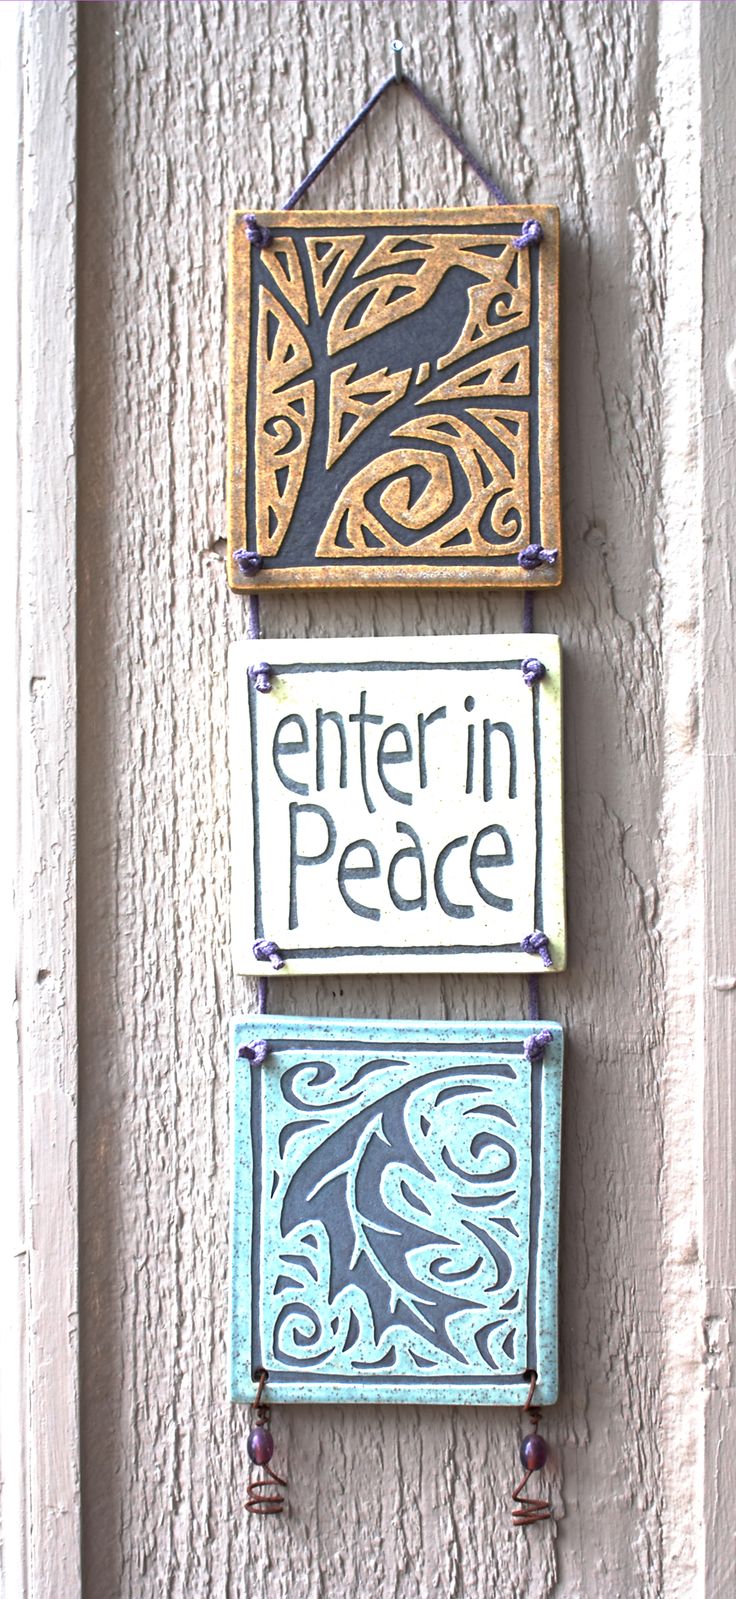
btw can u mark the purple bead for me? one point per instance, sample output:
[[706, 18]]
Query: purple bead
[[260, 1445], [533, 1452]]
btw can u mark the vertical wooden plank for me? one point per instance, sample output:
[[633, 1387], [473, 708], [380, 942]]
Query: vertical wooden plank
[[46, 890], [679, 908], [13, 1415], [718, 58]]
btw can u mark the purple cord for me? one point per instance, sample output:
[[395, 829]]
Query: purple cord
[[247, 561], [535, 1045], [456, 139], [254, 616], [342, 139], [255, 1053], [265, 949], [533, 991], [532, 670], [532, 232], [534, 555], [258, 234], [261, 675], [537, 943], [360, 117]]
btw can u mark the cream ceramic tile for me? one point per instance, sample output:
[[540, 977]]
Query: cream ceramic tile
[[397, 804]]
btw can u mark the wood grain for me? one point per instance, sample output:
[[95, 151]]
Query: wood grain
[[718, 45], [187, 111], [46, 1544]]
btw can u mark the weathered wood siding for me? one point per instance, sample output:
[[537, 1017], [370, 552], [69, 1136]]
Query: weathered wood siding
[[39, 1447], [186, 110], [718, 766]]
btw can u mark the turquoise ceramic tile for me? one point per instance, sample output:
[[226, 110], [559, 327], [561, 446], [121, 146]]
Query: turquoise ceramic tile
[[395, 1211]]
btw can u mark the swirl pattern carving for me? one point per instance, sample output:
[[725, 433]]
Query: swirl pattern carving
[[396, 1211], [399, 1208], [466, 486]]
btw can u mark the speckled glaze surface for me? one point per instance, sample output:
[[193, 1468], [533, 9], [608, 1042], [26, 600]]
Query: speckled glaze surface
[[359, 454], [395, 1211]]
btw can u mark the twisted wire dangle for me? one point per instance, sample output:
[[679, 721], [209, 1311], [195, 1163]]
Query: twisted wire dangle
[[533, 1456], [264, 1493]]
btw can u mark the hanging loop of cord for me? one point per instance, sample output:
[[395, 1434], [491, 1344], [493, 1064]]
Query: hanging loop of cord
[[531, 230]]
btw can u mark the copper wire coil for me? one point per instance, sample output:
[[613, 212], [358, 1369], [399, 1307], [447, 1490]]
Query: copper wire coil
[[264, 1496], [262, 1376], [528, 1509]]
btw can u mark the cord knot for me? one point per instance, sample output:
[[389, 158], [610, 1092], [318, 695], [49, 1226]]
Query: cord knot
[[532, 232], [265, 949], [534, 555], [247, 561], [261, 675], [537, 943], [536, 1043], [258, 234], [532, 670], [255, 1053]]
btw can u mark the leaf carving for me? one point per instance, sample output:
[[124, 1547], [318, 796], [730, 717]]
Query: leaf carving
[[390, 1245], [329, 260], [461, 477], [363, 399], [284, 421], [281, 259], [498, 374]]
